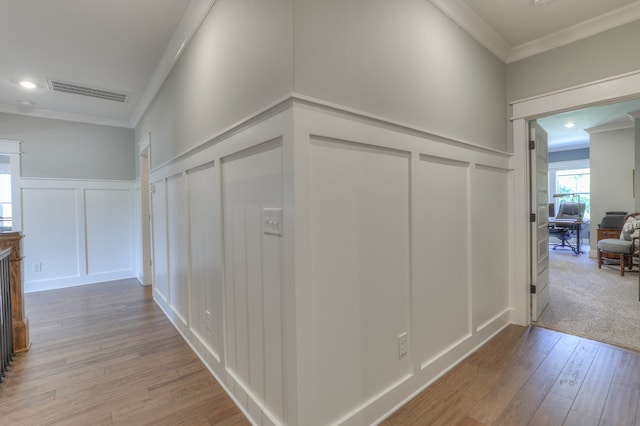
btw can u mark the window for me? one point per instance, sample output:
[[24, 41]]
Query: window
[[577, 182], [5, 202]]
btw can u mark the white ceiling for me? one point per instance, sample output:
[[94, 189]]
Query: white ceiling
[[115, 45], [129, 46]]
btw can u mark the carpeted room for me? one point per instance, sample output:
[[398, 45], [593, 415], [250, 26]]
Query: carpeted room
[[594, 303]]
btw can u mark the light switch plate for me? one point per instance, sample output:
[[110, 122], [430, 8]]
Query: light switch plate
[[272, 221]]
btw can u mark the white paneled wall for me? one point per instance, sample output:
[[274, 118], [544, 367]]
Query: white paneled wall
[[76, 232], [407, 232], [217, 274], [160, 240], [206, 258], [442, 280], [252, 181], [489, 223], [109, 222], [390, 231], [177, 230], [360, 271]]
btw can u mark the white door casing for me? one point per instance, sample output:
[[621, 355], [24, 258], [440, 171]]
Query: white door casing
[[616, 88]]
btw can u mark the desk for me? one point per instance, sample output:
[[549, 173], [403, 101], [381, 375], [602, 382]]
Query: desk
[[570, 225]]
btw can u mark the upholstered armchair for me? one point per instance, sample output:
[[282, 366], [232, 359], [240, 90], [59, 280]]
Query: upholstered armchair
[[624, 248]]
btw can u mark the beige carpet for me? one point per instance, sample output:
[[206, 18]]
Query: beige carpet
[[594, 303]]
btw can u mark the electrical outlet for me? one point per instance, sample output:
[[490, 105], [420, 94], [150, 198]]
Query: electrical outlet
[[272, 221], [37, 267], [208, 314], [403, 344]]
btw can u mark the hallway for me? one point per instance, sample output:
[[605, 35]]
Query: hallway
[[106, 354]]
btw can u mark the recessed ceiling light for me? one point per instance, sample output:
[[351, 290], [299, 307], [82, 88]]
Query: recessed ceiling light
[[27, 84], [570, 125], [540, 2]]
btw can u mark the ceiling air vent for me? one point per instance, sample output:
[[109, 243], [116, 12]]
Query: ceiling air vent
[[77, 89]]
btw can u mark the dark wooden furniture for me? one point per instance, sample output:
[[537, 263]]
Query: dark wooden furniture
[[13, 240]]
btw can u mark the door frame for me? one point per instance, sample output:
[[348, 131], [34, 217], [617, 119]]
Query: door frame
[[614, 89], [12, 149], [144, 155]]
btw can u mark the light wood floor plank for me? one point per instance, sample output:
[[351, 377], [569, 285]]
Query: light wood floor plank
[[105, 354], [532, 376], [620, 407], [528, 399]]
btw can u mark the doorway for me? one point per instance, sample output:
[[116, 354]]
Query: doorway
[[614, 89]]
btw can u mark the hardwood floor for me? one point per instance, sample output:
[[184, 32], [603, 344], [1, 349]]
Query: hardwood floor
[[105, 354], [533, 376]]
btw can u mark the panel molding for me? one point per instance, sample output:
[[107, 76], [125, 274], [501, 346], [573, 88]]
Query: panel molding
[[298, 125], [83, 276]]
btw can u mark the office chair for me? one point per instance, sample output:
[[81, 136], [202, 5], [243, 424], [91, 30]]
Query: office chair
[[564, 231]]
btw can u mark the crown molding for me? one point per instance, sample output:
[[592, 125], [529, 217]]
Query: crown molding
[[193, 17], [618, 125], [66, 116], [580, 31], [463, 16]]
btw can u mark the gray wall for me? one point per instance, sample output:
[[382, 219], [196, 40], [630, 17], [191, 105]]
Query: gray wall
[[67, 149], [569, 155], [239, 61], [404, 61], [607, 54]]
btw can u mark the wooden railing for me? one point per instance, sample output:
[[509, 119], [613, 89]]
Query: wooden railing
[[20, 322], [6, 323]]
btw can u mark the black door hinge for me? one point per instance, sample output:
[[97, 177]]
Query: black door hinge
[[532, 217], [532, 289], [532, 144]]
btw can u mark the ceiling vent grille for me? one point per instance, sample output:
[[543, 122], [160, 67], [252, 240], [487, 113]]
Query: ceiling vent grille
[[77, 89]]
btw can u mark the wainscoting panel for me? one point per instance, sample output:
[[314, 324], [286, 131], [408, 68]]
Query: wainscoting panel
[[490, 243], [137, 219], [58, 229], [252, 187], [109, 225], [206, 258], [407, 232], [76, 232], [160, 240], [441, 295], [360, 266], [396, 231], [177, 215]]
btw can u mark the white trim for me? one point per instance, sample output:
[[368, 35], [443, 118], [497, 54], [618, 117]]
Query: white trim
[[460, 13], [67, 116], [617, 88], [629, 123], [193, 17], [284, 102], [9, 146], [12, 149], [144, 143], [577, 32], [60, 183], [463, 16]]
